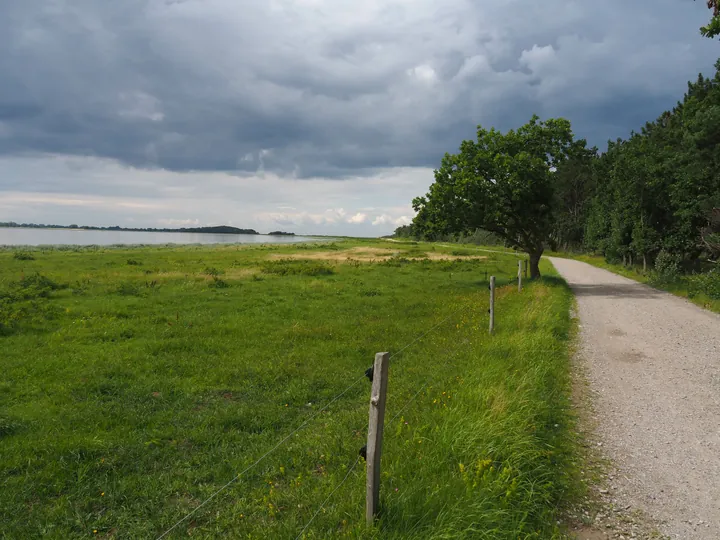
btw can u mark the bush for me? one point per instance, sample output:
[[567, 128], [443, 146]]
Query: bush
[[289, 267], [667, 267], [22, 256], [707, 284], [481, 238], [133, 262]]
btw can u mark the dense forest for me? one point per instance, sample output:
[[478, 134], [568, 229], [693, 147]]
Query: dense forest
[[654, 197], [657, 192]]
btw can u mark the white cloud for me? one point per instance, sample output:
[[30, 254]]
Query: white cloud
[[357, 218], [381, 220], [167, 198], [423, 73], [387, 219], [178, 222]]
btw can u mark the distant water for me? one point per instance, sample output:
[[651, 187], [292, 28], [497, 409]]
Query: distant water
[[71, 237]]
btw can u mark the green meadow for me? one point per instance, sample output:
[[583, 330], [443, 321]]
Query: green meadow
[[137, 382]]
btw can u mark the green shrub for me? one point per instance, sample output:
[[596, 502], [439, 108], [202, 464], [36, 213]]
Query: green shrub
[[133, 262], [707, 284], [667, 268], [22, 256], [290, 267]]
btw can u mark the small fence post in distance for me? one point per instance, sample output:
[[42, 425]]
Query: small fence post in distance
[[492, 304], [520, 271], [378, 396]]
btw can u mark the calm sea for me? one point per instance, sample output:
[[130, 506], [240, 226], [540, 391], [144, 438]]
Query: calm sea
[[72, 237]]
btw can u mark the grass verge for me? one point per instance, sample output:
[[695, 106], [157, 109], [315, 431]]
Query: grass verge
[[137, 382]]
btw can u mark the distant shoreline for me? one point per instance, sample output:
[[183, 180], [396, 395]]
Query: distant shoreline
[[221, 229]]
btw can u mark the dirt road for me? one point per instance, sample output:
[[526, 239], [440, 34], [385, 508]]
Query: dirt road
[[653, 363]]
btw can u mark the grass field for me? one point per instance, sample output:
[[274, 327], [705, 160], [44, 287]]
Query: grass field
[[139, 381]]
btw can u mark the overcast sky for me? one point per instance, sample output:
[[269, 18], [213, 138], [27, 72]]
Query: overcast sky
[[316, 116]]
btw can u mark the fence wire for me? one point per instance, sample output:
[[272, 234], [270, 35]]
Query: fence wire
[[300, 427]]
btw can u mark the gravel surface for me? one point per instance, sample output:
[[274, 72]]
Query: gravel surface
[[653, 365]]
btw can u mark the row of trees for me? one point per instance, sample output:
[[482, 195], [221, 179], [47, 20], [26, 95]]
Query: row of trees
[[656, 192]]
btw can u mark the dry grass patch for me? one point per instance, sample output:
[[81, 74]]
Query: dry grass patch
[[368, 254]]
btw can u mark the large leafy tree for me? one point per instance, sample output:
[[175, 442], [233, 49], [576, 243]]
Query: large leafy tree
[[503, 183]]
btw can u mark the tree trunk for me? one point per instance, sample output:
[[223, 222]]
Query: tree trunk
[[630, 260], [624, 260], [644, 263], [535, 263]]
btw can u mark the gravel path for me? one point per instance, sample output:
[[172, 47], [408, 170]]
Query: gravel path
[[653, 363]]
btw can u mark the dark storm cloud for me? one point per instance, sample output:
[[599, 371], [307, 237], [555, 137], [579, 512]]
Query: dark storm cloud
[[329, 87]]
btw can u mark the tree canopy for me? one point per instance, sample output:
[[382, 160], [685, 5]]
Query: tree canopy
[[655, 193], [503, 183]]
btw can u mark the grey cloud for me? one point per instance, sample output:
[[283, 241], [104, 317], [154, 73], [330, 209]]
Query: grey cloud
[[330, 88]]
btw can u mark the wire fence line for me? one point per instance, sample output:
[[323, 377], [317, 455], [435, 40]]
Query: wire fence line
[[328, 498], [296, 430], [454, 313], [261, 458], [427, 383]]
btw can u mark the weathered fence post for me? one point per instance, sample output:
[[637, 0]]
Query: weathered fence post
[[378, 396], [492, 304], [520, 265]]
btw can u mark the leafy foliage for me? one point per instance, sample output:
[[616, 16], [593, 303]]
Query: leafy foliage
[[712, 29], [23, 256], [667, 267], [657, 190], [503, 183]]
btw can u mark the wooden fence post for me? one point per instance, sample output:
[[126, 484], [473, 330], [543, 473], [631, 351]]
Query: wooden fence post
[[378, 396], [492, 304], [520, 270]]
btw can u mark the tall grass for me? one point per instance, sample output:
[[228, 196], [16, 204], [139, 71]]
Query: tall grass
[[125, 411]]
